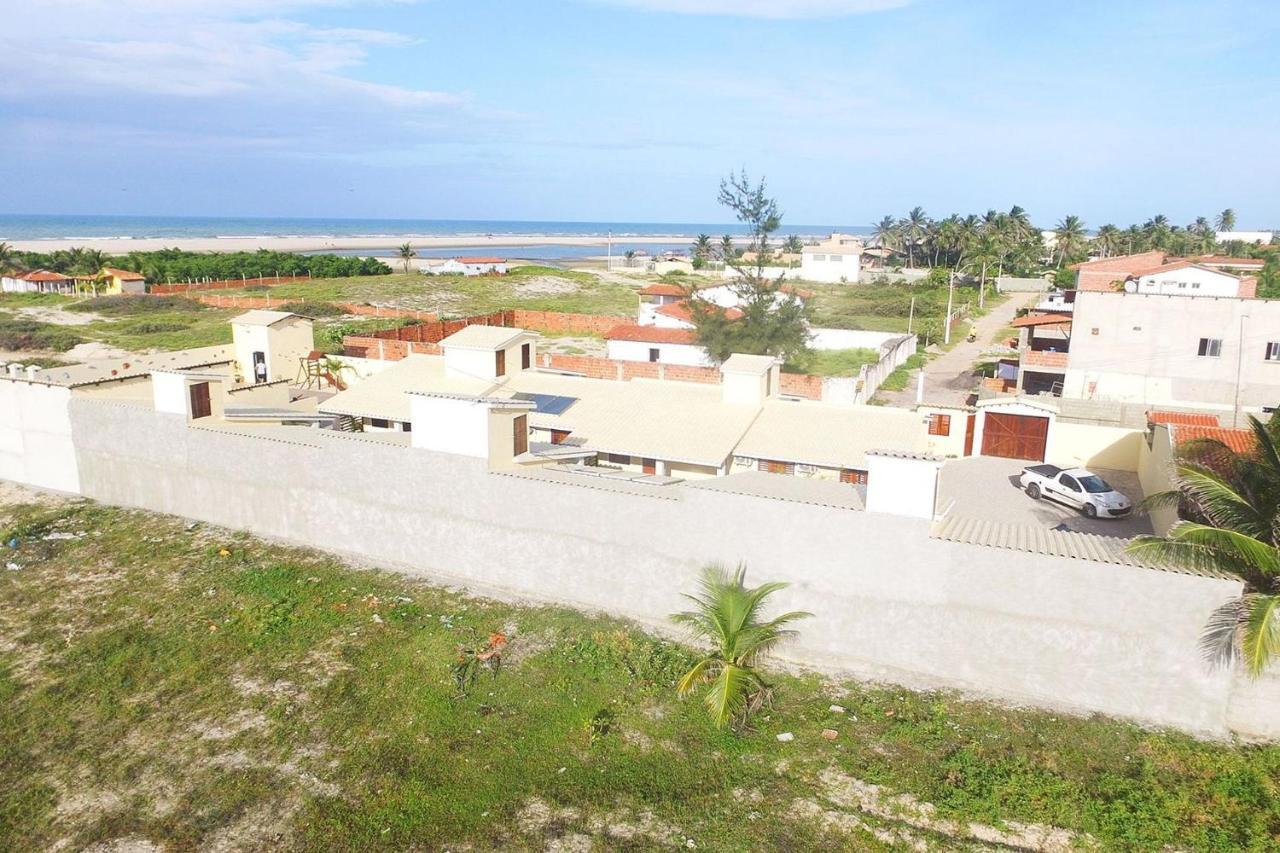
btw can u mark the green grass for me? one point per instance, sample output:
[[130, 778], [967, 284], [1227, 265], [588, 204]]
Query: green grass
[[190, 686], [897, 380], [841, 362], [532, 287], [21, 333]]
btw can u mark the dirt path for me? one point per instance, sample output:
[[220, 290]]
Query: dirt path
[[949, 379]]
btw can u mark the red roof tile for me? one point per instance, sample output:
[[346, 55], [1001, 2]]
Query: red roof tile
[[682, 311], [1239, 440], [126, 275], [1042, 320], [662, 289], [482, 260], [1157, 416], [651, 335], [44, 275]]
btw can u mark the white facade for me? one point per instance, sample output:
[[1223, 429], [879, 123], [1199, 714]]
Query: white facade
[[1263, 237], [902, 484], [282, 344], [1189, 280], [1175, 351], [837, 259], [35, 434], [663, 353]]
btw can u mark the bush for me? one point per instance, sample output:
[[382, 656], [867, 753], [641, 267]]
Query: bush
[[314, 309], [124, 306], [18, 334], [148, 327], [256, 288]]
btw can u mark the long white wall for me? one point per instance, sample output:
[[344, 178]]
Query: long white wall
[[35, 435], [889, 601]]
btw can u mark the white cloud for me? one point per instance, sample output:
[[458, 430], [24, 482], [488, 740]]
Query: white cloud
[[778, 9]]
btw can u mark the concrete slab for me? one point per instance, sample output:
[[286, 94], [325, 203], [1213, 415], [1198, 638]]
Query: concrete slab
[[984, 487]]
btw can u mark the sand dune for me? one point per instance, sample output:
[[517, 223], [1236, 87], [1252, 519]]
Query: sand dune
[[120, 245]]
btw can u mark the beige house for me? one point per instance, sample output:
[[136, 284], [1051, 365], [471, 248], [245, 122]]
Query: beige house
[[277, 339]]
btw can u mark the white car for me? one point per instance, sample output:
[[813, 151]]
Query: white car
[[1077, 488]]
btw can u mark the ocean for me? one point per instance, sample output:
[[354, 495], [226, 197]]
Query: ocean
[[68, 227]]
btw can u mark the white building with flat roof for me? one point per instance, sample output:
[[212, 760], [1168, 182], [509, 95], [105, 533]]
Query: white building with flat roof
[[838, 259]]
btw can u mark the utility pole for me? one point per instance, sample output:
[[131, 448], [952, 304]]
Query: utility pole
[[1235, 411], [608, 264], [951, 289], [912, 315]]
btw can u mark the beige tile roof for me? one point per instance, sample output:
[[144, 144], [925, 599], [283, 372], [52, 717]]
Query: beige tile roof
[[753, 364], [833, 437], [261, 317], [1055, 543], [385, 394], [677, 421], [484, 337], [785, 488], [107, 370]]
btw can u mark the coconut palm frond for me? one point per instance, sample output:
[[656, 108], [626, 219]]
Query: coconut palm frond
[[1219, 640], [1182, 554], [1160, 500], [1261, 640], [1267, 451], [1220, 501], [699, 672], [1232, 544], [729, 693]]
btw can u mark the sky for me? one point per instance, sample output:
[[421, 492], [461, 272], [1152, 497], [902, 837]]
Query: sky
[[632, 110]]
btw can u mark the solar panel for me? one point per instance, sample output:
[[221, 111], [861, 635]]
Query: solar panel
[[550, 404]]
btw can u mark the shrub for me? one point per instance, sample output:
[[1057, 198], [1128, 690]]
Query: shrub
[[20, 334], [123, 306], [148, 327], [314, 309]]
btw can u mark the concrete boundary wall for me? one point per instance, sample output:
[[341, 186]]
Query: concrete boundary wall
[[889, 601]]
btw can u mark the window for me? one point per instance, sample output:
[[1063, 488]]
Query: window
[[559, 436], [520, 434], [1069, 482], [618, 458], [380, 423], [1273, 351], [1210, 347], [819, 257], [653, 353], [774, 467], [526, 356], [500, 363], [939, 424], [853, 476]]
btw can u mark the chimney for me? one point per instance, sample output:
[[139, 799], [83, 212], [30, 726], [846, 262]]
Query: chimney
[[15, 370], [749, 380], [32, 370], [902, 483]]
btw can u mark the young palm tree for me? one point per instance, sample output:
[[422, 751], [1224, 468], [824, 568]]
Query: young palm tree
[[702, 247], [406, 254], [1232, 501], [727, 250], [914, 228], [1226, 220], [1070, 238], [7, 257], [727, 615]]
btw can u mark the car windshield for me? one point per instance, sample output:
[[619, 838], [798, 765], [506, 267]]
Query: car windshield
[[1095, 484]]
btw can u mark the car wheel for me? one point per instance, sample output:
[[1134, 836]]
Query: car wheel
[[1033, 492], [1089, 510]]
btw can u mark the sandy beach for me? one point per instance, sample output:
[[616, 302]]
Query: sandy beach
[[122, 245]]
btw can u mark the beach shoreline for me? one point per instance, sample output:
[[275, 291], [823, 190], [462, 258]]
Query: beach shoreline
[[124, 245]]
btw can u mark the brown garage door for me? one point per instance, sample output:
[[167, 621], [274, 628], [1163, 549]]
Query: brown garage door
[[1015, 436]]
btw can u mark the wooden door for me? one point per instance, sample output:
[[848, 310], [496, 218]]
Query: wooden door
[[526, 356], [968, 435], [649, 466], [559, 436], [201, 406], [520, 434], [1015, 436], [500, 363]]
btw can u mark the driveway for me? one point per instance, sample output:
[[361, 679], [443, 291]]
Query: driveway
[[949, 378], [986, 488]]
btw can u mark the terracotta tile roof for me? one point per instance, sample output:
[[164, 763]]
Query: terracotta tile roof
[[126, 275], [681, 311], [1239, 440], [1157, 416], [482, 260], [798, 292], [1042, 320], [1228, 261], [651, 334], [662, 289], [44, 275], [1177, 265]]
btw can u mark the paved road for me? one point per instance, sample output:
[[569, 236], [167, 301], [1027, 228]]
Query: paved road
[[949, 379]]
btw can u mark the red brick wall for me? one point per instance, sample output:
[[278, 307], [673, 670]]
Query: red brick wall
[[225, 284], [558, 322], [380, 348], [801, 385]]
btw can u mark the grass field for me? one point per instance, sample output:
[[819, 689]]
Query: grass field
[[531, 287], [195, 688]]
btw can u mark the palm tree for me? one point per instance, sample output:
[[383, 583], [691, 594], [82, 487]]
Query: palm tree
[[702, 247], [727, 250], [1020, 223], [1069, 236], [914, 228], [794, 245], [727, 615], [8, 257], [406, 254], [1233, 500], [887, 232], [1226, 220], [1108, 240]]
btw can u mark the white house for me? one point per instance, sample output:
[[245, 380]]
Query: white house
[[37, 281], [1186, 278], [656, 344], [836, 259], [483, 266], [275, 338], [1263, 237]]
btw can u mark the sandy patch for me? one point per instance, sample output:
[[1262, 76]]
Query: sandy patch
[[58, 316], [96, 351], [576, 346], [545, 285]]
